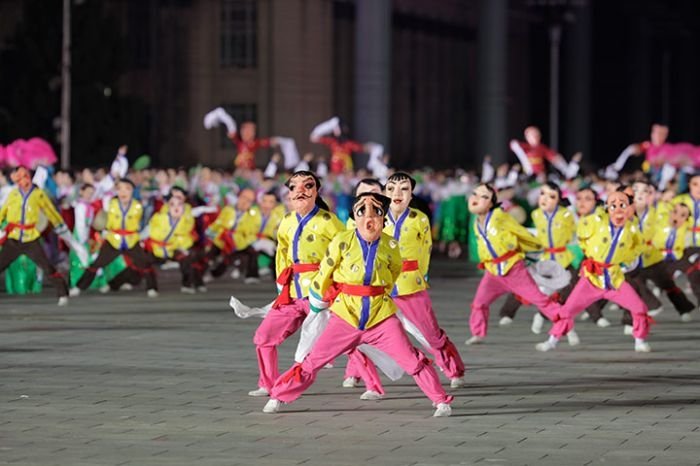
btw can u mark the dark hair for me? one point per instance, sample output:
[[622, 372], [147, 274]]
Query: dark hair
[[555, 187], [382, 199], [86, 186], [271, 193], [401, 176], [621, 189], [173, 189], [369, 181], [127, 181], [304, 173]]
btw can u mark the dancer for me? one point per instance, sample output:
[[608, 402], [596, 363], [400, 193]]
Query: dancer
[[122, 238], [411, 228], [689, 265], [303, 237], [502, 243], [354, 280], [533, 154], [554, 228], [341, 147], [611, 241], [21, 210]]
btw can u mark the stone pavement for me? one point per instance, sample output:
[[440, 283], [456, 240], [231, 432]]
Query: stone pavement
[[124, 380]]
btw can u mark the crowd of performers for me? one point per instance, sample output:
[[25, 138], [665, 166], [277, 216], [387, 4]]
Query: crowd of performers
[[354, 278]]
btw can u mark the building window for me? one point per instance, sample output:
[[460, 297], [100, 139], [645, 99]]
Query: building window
[[241, 113], [239, 33]]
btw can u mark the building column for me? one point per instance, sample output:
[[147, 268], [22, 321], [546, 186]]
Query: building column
[[491, 93], [577, 96], [372, 73]]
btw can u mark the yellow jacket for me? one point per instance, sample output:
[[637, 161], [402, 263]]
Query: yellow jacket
[[267, 226], [555, 232], [22, 213], [304, 241], [647, 223], [235, 232], [607, 248], [412, 231], [694, 219], [122, 228], [668, 243], [351, 260], [502, 235], [167, 235]]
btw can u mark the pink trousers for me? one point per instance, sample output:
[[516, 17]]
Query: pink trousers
[[340, 337], [278, 324], [517, 281], [585, 293]]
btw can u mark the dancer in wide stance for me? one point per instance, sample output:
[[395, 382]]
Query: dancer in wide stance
[[354, 281]]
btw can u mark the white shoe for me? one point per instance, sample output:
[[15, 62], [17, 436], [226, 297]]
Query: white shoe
[[545, 346], [187, 290], [443, 410], [259, 392], [207, 278], [126, 287], [656, 291], [474, 340], [63, 301], [642, 347], [603, 322], [152, 293], [202, 289], [272, 406], [457, 382], [656, 312], [251, 281], [614, 307], [235, 274], [73, 292], [350, 382], [505, 321], [686, 317], [628, 330], [537, 323], [572, 338], [265, 272], [584, 316], [104, 289], [371, 395], [329, 365]]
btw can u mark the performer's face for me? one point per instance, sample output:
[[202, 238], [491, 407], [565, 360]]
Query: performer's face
[[618, 208], [124, 192], [267, 203], [659, 133], [179, 195], [21, 178], [549, 199], [302, 193], [176, 207], [369, 218], [694, 187], [248, 131], [400, 194], [679, 215], [585, 202], [87, 193], [480, 200], [245, 200], [533, 135], [642, 195]]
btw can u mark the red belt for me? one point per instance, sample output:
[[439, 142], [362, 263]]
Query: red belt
[[18, 226], [229, 243], [150, 243], [352, 290], [409, 266], [499, 259], [594, 267], [285, 279], [696, 229], [123, 232], [555, 250]]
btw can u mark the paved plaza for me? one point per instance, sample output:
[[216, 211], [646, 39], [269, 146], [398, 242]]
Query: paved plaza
[[125, 380]]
